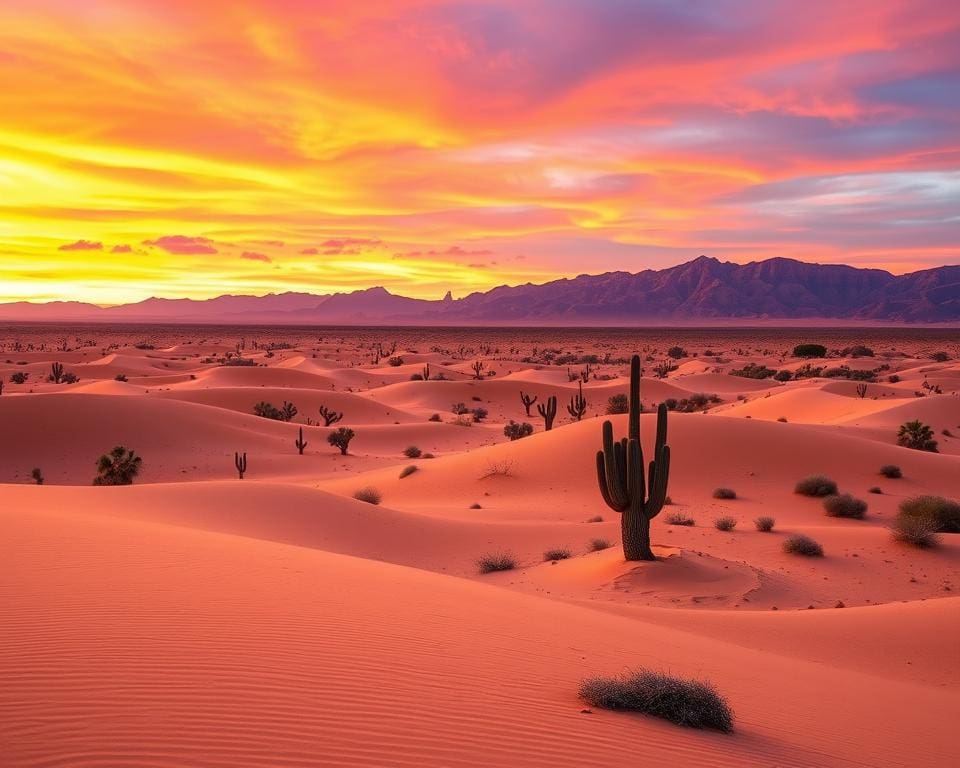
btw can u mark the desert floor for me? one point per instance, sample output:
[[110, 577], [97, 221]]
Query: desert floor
[[196, 619]]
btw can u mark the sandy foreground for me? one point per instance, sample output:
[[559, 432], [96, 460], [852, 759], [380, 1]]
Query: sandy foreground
[[194, 619]]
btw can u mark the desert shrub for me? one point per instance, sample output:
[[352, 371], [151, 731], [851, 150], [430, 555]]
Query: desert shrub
[[501, 467], [475, 505], [875, 489], [479, 414], [120, 377], [408, 470], [809, 350], [800, 544], [596, 519], [368, 494], [940, 357], [724, 493], [500, 561], [916, 531], [515, 431], [857, 350], [20, 377], [783, 375], [725, 523], [691, 703], [428, 456], [765, 523], [943, 514], [891, 470], [845, 505], [678, 518], [395, 361], [598, 545], [917, 435], [807, 371], [37, 475], [412, 452], [118, 467], [753, 371], [816, 485], [559, 553], [340, 438], [268, 411], [435, 417], [893, 378], [676, 352], [416, 377], [618, 404], [70, 378]]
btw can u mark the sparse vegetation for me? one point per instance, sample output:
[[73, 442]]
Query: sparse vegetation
[[816, 485], [891, 471], [617, 404], [119, 467], [37, 475], [845, 505], [368, 494], [408, 470], [916, 435], [340, 438], [598, 545], [765, 523], [412, 452], [724, 493], [691, 703], [678, 518], [809, 350], [515, 431], [801, 544], [560, 553], [725, 523], [500, 561], [941, 513], [915, 531]]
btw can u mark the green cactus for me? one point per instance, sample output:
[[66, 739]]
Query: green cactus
[[549, 412], [300, 442], [578, 405], [240, 462], [620, 474]]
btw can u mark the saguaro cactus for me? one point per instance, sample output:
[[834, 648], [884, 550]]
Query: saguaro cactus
[[478, 369], [527, 401], [578, 404], [426, 372], [620, 474], [549, 412], [300, 442], [240, 462], [56, 372]]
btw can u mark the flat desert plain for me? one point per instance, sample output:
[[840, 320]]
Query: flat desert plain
[[196, 619]]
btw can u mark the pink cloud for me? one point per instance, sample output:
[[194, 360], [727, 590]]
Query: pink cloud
[[254, 256], [121, 249], [310, 251], [182, 245], [82, 245]]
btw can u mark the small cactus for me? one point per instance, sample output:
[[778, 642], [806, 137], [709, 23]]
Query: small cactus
[[426, 372], [240, 462], [527, 401], [862, 390], [549, 412], [56, 373], [300, 442], [578, 405], [478, 369], [329, 415]]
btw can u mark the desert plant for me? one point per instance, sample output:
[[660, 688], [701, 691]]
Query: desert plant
[[240, 462], [37, 475], [300, 442], [70, 378], [621, 476], [435, 417], [268, 411], [395, 361], [20, 377], [617, 404], [891, 470], [691, 703], [596, 519], [765, 523], [56, 372], [783, 375], [725, 523], [861, 390], [940, 357], [943, 514], [597, 545], [560, 553], [368, 494], [917, 435], [515, 431], [916, 531], [548, 411], [426, 372], [845, 505], [479, 414], [678, 518], [809, 350], [340, 438], [118, 467], [676, 352], [501, 467], [477, 369], [577, 406], [412, 452], [724, 493], [527, 401], [408, 470], [874, 489], [816, 485], [500, 561], [662, 370], [120, 377], [329, 416], [801, 544]]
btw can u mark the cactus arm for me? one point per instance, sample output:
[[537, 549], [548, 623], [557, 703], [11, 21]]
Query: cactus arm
[[634, 418], [614, 469], [602, 482]]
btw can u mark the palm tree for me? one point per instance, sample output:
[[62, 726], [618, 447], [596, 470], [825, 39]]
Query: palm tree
[[118, 467], [914, 434]]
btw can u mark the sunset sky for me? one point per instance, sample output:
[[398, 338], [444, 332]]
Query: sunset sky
[[200, 147]]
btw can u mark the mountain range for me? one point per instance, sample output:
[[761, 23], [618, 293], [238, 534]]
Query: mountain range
[[701, 291]]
